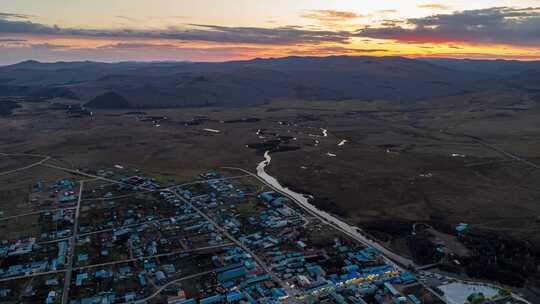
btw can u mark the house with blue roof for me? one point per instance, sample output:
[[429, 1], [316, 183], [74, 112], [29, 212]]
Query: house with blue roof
[[278, 292], [130, 296], [125, 271], [4, 292], [234, 296], [407, 278], [160, 276], [316, 271], [169, 268], [231, 274], [67, 198], [79, 280], [212, 299], [186, 301], [14, 270], [82, 257], [149, 265], [461, 227], [142, 279], [103, 274], [414, 299], [267, 196], [51, 297]]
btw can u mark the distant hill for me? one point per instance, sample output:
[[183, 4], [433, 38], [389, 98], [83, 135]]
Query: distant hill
[[239, 83], [528, 80], [7, 107], [494, 68], [109, 100], [54, 92]]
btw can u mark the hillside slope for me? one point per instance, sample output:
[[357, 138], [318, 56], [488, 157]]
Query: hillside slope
[[238, 83]]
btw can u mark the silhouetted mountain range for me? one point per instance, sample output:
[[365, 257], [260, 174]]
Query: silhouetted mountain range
[[237, 83]]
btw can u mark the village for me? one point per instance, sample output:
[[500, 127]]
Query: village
[[118, 236]]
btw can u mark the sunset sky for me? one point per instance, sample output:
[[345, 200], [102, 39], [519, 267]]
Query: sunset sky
[[218, 30]]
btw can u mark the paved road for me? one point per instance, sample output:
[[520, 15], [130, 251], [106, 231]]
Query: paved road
[[354, 234], [153, 256], [212, 180], [122, 227], [73, 241], [267, 269], [110, 198], [157, 292], [79, 172], [34, 213], [391, 257], [31, 275], [25, 167], [112, 263], [508, 154]]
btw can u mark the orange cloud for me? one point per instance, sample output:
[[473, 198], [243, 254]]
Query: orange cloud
[[331, 15], [387, 11], [491, 26], [504, 33], [434, 6]]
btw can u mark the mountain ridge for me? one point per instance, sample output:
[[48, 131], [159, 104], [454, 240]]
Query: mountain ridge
[[259, 80]]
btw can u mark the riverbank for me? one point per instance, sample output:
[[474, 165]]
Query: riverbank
[[352, 231]]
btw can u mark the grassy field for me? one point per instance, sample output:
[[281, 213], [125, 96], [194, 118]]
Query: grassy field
[[397, 162], [382, 166]]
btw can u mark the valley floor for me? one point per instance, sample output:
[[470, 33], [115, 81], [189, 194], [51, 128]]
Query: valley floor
[[389, 169]]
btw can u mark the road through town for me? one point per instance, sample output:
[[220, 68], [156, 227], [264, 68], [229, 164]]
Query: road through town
[[303, 202]]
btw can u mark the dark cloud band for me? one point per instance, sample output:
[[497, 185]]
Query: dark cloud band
[[194, 32], [499, 25]]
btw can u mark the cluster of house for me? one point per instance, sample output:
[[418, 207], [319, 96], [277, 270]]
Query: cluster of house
[[138, 182], [239, 278], [52, 296], [66, 190], [62, 221], [295, 267], [32, 257], [235, 277], [341, 274], [150, 271]]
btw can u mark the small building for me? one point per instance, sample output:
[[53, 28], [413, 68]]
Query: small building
[[103, 274], [231, 274], [414, 299], [125, 271], [407, 278], [160, 276], [83, 257], [391, 289], [234, 296], [267, 196], [79, 280], [51, 297], [4, 292], [212, 299], [142, 279], [462, 227], [130, 296], [169, 268]]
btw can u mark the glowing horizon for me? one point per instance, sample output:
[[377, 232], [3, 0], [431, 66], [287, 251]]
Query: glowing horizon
[[220, 30]]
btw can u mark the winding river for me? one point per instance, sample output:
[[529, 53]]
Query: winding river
[[354, 232], [303, 201]]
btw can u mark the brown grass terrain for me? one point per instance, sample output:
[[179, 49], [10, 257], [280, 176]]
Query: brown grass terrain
[[397, 163], [440, 162]]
